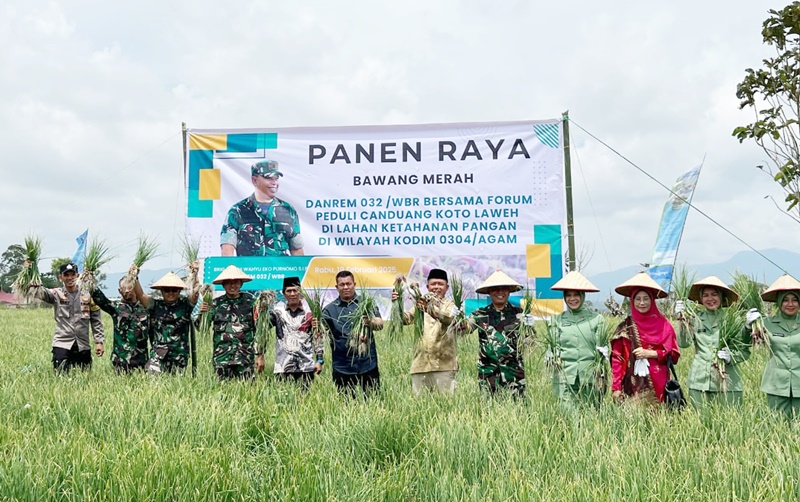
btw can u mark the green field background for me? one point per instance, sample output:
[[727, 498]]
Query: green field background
[[98, 436]]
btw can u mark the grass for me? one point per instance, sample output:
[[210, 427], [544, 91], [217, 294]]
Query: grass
[[98, 436]]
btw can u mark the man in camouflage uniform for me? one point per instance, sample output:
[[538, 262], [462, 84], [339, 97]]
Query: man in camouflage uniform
[[170, 322], [129, 348], [499, 362], [234, 326], [74, 314], [262, 224]]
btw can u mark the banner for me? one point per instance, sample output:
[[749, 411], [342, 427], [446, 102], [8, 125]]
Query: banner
[[670, 230], [380, 201]]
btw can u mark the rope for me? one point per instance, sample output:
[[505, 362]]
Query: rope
[[709, 218]]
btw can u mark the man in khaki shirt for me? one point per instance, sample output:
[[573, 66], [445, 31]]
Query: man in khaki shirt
[[74, 314], [435, 363]]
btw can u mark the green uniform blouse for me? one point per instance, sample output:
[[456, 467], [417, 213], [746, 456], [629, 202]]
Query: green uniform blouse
[[705, 338], [782, 374], [579, 333]]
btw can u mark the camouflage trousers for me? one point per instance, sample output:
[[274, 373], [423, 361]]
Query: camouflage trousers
[[500, 365], [166, 361], [233, 371], [507, 372]]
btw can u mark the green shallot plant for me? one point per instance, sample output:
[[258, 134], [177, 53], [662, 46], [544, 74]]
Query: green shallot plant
[[359, 337], [526, 335], [749, 291], [145, 251], [419, 315], [29, 274], [314, 297], [730, 323], [394, 327], [264, 303], [97, 254], [682, 281], [457, 290], [206, 325]]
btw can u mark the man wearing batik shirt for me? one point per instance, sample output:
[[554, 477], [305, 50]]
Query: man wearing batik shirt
[[233, 316], [129, 348], [298, 353], [262, 224]]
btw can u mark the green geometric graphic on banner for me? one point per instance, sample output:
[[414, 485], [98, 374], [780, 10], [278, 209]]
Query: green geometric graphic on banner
[[549, 234]]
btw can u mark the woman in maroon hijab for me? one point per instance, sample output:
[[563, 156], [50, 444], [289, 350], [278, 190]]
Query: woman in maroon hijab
[[641, 344]]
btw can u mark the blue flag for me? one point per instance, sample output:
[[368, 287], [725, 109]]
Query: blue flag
[[80, 254], [671, 228]]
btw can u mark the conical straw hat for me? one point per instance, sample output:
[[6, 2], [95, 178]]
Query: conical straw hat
[[729, 296], [169, 281], [498, 278], [574, 281], [232, 273], [783, 283], [640, 280]]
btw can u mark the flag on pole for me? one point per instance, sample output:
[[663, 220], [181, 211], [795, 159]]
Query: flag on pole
[[670, 230], [80, 254]]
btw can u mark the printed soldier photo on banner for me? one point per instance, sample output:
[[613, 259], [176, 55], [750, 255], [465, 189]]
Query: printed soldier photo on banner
[[262, 224]]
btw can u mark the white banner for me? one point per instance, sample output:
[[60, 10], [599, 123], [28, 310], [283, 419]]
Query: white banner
[[464, 191]]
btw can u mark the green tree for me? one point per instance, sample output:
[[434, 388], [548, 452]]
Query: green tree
[[10, 264], [773, 93]]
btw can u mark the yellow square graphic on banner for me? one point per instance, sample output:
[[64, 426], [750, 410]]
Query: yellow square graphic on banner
[[537, 258], [208, 142], [369, 271], [210, 187]]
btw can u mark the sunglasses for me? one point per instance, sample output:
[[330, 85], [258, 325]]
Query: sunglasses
[[171, 290]]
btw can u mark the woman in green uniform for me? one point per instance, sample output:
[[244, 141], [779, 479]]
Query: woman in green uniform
[[706, 383], [781, 381], [578, 332]]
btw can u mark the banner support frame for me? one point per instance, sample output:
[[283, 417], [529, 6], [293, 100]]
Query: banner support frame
[[568, 193]]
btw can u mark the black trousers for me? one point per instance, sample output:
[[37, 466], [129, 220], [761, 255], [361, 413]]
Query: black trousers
[[304, 379], [65, 359], [369, 382]]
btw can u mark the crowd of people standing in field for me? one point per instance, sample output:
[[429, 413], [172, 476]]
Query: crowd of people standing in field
[[152, 334]]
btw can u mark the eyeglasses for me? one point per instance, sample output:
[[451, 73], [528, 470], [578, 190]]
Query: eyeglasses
[[171, 290]]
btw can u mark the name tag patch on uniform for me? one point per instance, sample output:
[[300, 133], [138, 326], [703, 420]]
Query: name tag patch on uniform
[[779, 334]]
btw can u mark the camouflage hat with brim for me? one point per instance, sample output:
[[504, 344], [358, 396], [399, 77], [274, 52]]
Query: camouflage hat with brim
[[729, 296], [574, 281], [496, 280], [640, 281], [266, 168], [783, 283], [171, 280], [232, 273]]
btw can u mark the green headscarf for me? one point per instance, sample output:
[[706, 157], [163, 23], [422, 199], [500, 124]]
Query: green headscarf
[[784, 321], [580, 313]]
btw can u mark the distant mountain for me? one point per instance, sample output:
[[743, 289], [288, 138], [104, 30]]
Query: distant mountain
[[747, 262]]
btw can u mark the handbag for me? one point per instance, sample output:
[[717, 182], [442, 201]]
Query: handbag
[[673, 394]]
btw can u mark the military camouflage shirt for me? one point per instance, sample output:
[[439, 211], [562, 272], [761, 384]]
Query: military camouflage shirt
[[169, 330], [296, 349], [130, 329], [234, 330], [497, 335], [255, 232]]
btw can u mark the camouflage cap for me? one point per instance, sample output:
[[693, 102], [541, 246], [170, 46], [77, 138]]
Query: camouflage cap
[[265, 168]]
